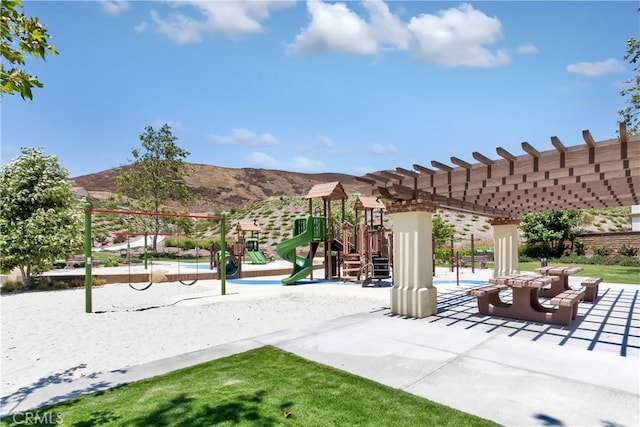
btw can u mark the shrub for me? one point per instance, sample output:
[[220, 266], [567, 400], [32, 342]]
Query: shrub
[[10, 286], [533, 252], [98, 281], [628, 251], [602, 251]]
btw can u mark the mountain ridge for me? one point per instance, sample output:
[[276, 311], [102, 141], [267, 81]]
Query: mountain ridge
[[219, 188]]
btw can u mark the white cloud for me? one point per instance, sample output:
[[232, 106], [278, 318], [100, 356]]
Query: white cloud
[[244, 137], [114, 7], [230, 18], [262, 160], [303, 164], [297, 164], [454, 37], [326, 142], [335, 28], [383, 150], [527, 48], [141, 27], [597, 69], [457, 37]]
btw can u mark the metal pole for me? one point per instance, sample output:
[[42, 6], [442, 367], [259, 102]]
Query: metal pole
[[87, 256], [222, 264], [145, 251], [457, 268], [473, 255]]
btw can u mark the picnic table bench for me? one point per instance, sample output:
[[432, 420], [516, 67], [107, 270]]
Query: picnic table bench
[[467, 260], [590, 283], [525, 303]]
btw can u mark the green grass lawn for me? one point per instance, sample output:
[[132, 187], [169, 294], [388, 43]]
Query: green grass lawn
[[256, 388], [609, 273]]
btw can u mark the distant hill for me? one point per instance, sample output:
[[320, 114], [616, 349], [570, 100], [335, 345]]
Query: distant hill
[[255, 193], [221, 189]]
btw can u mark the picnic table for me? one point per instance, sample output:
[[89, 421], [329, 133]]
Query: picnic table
[[525, 304], [560, 285]]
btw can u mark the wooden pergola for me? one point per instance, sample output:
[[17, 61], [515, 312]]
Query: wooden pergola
[[589, 175]]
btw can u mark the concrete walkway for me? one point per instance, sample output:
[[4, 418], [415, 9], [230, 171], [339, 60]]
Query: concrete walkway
[[513, 372]]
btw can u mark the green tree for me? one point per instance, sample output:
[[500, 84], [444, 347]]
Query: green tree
[[551, 231], [40, 217], [157, 175], [630, 113], [22, 36], [442, 231]]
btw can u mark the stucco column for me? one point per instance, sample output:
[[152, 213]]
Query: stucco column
[[413, 293], [635, 218], [505, 246]]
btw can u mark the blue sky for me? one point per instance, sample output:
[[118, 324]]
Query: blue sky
[[315, 86]]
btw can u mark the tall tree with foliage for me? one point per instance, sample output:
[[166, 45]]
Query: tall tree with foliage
[[442, 231], [40, 216], [630, 113], [157, 175], [21, 36], [551, 231]]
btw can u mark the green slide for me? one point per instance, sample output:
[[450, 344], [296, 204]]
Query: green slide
[[257, 257], [305, 229]]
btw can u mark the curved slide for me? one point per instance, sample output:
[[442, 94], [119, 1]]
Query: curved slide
[[287, 250]]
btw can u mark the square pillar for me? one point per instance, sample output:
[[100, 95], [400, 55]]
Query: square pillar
[[413, 293], [505, 246]]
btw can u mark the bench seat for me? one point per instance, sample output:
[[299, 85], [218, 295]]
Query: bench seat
[[486, 290], [567, 303], [590, 285], [465, 260]]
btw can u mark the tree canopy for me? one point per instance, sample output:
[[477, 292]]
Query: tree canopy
[[40, 217], [157, 174], [21, 36], [630, 113], [442, 231], [551, 231]]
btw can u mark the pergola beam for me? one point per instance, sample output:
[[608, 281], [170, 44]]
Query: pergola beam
[[623, 132], [459, 162], [441, 166], [423, 169], [482, 159], [407, 172], [598, 174], [588, 139], [555, 141], [505, 154], [391, 175], [530, 150]]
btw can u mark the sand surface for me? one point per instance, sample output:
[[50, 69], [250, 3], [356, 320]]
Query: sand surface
[[47, 336]]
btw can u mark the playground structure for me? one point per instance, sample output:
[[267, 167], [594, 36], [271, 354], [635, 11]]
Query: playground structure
[[89, 211], [250, 246], [367, 248], [360, 250]]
